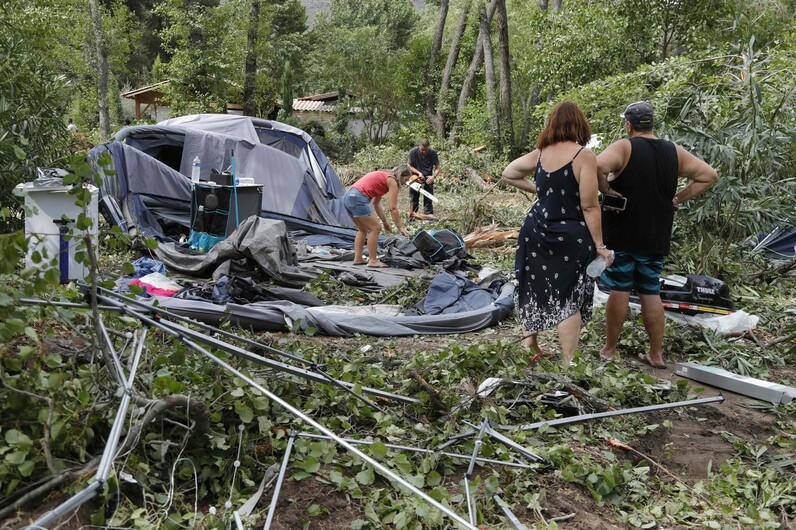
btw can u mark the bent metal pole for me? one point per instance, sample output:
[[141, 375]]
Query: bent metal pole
[[314, 373], [104, 466], [385, 472]]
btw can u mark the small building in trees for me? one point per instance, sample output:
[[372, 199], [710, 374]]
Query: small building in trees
[[149, 101], [323, 108]]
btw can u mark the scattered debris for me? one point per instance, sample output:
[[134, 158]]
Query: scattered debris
[[740, 384], [490, 235]]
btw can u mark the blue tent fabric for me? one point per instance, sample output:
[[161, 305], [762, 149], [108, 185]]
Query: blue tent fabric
[[783, 245], [453, 293]]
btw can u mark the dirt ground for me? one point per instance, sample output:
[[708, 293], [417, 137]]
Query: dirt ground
[[685, 450]]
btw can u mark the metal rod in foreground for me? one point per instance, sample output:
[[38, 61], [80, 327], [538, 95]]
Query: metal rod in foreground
[[608, 414], [103, 468], [421, 450], [280, 478], [384, 471], [508, 513]]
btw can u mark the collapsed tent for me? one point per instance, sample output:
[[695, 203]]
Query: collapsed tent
[[453, 305], [150, 190]]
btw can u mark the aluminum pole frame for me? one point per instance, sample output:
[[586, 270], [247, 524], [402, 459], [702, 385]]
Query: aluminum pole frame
[[238, 522], [316, 375], [424, 451], [387, 473], [280, 478], [598, 415], [103, 468], [508, 513]]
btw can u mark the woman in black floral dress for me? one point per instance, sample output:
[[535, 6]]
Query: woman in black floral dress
[[561, 233]]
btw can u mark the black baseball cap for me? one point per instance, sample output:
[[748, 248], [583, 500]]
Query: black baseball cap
[[639, 113]]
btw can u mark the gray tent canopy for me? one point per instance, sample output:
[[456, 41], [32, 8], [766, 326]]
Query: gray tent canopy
[[151, 189]]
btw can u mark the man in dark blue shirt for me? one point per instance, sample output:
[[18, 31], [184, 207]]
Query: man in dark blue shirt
[[424, 164]]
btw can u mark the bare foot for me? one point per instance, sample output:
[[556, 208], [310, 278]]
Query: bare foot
[[378, 265], [607, 354], [646, 359]]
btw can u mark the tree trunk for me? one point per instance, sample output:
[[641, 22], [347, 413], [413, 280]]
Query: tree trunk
[[250, 79], [528, 103], [102, 70], [507, 123], [491, 106], [469, 81], [453, 56], [436, 45], [557, 5], [543, 5]]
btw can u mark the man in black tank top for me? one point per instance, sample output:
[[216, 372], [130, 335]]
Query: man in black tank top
[[645, 171]]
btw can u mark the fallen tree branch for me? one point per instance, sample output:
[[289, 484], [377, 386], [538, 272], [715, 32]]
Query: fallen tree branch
[[435, 399], [62, 478], [780, 340], [770, 274]]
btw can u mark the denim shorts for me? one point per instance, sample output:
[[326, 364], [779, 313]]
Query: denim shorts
[[634, 270], [357, 204]]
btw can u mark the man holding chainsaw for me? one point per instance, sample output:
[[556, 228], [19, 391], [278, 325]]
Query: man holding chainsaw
[[424, 164]]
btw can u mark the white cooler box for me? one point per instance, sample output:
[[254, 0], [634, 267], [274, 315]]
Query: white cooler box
[[50, 214]]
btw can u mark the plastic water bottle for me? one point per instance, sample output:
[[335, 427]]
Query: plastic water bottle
[[196, 170], [597, 266]]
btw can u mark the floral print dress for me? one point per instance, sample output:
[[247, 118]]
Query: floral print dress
[[553, 250]]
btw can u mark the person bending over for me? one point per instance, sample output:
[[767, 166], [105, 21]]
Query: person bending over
[[362, 201]]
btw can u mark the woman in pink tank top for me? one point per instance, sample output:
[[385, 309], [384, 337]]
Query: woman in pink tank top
[[362, 201]]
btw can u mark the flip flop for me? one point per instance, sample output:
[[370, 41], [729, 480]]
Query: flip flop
[[645, 359], [539, 354], [379, 266]]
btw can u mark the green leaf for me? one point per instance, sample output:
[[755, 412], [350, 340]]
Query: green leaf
[[30, 332], [378, 449], [314, 510], [244, 412], [433, 478], [15, 325], [310, 464], [26, 468], [15, 458], [365, 477], [20, 154], [19, 439], [301, 475]]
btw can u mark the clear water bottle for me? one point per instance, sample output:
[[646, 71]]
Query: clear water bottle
[[196, 169], [596, 267]]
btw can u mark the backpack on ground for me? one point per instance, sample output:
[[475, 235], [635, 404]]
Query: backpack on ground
[[439, 245]]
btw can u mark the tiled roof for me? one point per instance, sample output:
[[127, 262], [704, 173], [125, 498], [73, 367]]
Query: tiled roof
[[313, 106]]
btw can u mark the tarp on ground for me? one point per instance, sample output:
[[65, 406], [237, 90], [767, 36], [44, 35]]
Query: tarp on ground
[[487, 306], [264, 241]]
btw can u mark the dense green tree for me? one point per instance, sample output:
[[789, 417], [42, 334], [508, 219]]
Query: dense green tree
[[33, 100], [395, 19]]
